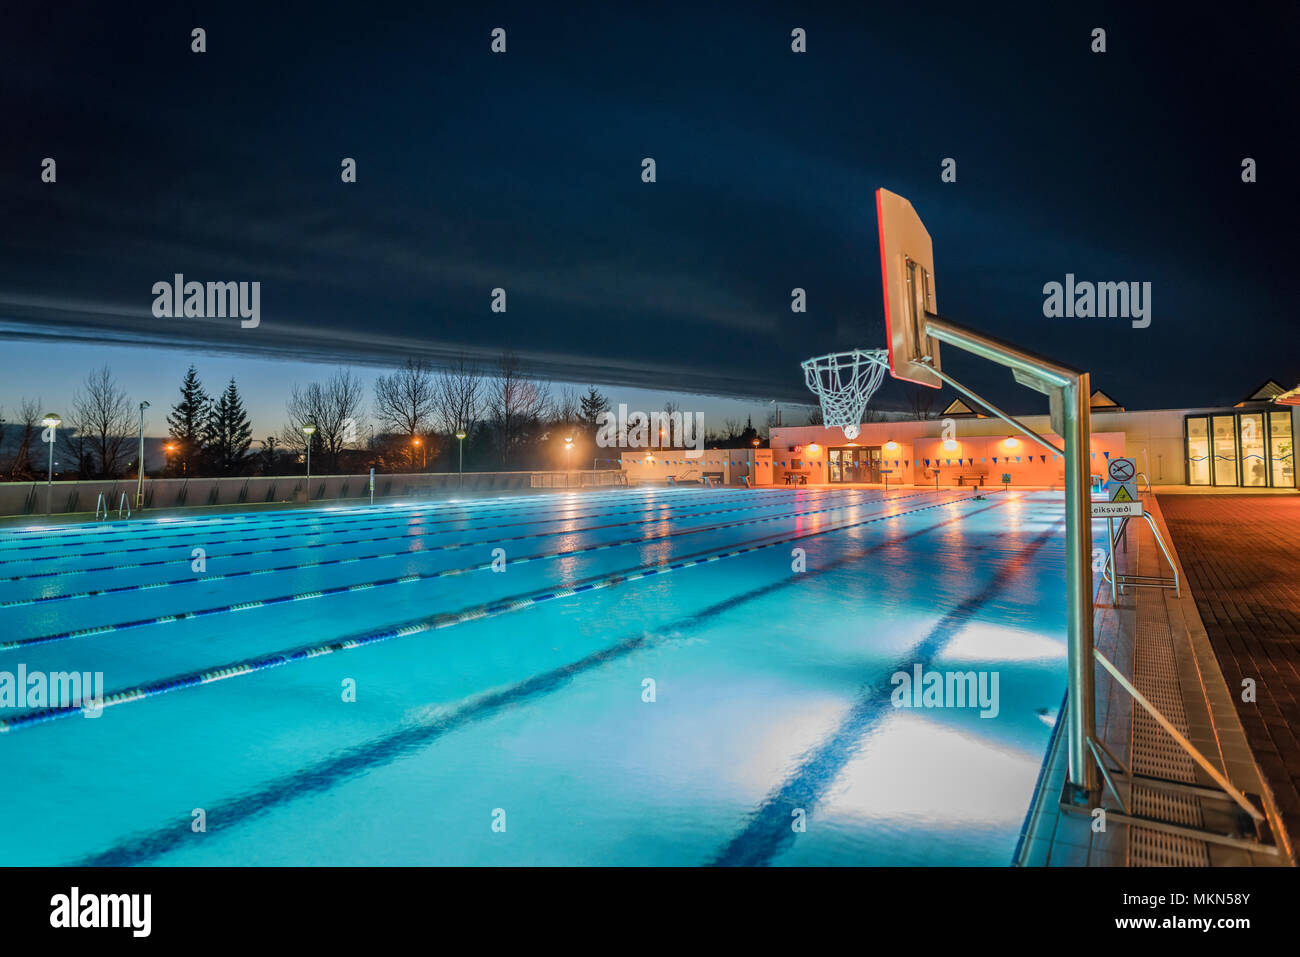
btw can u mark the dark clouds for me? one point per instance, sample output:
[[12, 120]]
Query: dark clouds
[[522, 171]]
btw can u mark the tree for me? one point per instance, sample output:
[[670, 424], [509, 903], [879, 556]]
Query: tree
[[187, 423], [458, 397], [404, 400], [228, 433], [104, 412], [921, 401], [334, 407], [516, 404], [593, 405], [29, 416]]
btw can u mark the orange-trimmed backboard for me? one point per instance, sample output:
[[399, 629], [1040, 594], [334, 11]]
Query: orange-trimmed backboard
[[907, 278]]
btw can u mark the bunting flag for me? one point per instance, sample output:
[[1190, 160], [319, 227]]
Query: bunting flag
[[995, 460], [982, 461], [1094, 455], [1107, 454], [1017, 458], [927, 463], [1043, 458]]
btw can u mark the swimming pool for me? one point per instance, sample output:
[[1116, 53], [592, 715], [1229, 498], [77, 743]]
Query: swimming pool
[[635, 676]]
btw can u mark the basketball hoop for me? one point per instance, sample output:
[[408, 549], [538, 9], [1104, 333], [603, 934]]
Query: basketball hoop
[[845, 383]]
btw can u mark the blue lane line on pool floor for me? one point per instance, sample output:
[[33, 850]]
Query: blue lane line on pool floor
[[769, 832], [388, 748]]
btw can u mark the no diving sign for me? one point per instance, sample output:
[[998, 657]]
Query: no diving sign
[[1122, 484]]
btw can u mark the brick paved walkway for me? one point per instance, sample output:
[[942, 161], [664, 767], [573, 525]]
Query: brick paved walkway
[[1241, 555]]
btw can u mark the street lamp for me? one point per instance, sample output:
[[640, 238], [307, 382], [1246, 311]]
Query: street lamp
[[139, 484], [460, 437], [568, 449], [51, 423], [309, 430], [424, 454]]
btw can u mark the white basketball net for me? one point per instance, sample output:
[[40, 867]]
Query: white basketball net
[[845, 383]]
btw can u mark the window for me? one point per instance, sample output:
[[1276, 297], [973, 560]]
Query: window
[[1198, 451], [1224, 458], [1254, 452], [1281, 449]]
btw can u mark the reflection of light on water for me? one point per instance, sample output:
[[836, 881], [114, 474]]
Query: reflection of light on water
[[915, 767], [985, 641]]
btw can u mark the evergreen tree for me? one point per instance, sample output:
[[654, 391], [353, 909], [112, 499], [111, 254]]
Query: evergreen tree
[[229, 433], [593, 404], [187, 424]]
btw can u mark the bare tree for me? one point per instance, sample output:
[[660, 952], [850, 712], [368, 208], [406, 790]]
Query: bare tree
[[568, 407], [334, 407], [102, 410], [815, 415], [458, 396], [29, 414], [921, 401], [404, 404], [516, 404]]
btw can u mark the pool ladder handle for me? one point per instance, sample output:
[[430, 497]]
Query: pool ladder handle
[[1117, 581], [100, 503], [121, 505], [1249, 819]]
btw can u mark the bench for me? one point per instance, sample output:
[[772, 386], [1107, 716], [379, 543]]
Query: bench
[[976, 476], [796, 478]]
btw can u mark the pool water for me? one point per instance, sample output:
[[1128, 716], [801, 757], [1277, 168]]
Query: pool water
[[632, 677]]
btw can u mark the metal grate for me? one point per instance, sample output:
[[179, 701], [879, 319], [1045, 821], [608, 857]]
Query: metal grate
[[1154, 752]]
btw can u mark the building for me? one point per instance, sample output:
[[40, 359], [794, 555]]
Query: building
[[1250, 444]]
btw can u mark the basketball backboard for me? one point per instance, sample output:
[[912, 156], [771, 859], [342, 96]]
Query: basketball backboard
[[907, 278]]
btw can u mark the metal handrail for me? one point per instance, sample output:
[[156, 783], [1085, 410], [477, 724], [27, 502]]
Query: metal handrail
[[99, 502], [1118, 581], [1143, 475], [123, 504]]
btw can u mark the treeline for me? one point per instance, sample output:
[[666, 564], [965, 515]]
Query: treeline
[[408, 422]]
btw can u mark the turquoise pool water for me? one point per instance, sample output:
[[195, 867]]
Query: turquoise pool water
[[501, 713]]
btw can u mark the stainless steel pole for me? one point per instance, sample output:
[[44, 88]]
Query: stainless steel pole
[[1068, 390]]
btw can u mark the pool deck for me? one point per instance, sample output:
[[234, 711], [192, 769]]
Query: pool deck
[[1158, 640], [1242, 558]]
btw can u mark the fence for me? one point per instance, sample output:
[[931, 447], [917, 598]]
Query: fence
[[61, 498]]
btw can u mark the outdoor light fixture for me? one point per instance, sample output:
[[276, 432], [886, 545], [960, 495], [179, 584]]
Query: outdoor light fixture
[[309, 430], [460, 437], [1011, 442], [813, 448], [139, 482], [950, 445], [51, 422], [891, 446]]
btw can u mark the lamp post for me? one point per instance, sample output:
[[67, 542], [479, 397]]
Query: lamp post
[[139, 484], [568, 449], [309, 430], [51, 423], [424, 453], [460, 437], [753, 464]]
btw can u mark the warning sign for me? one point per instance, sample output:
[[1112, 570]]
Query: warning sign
[[1122, 484]]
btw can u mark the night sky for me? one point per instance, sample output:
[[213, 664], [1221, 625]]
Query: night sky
[[523, 171]]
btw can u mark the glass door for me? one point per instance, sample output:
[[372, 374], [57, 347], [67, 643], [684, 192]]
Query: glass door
[[1225, 450], [1254, 454], [1281, 450], [1198, 451]]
